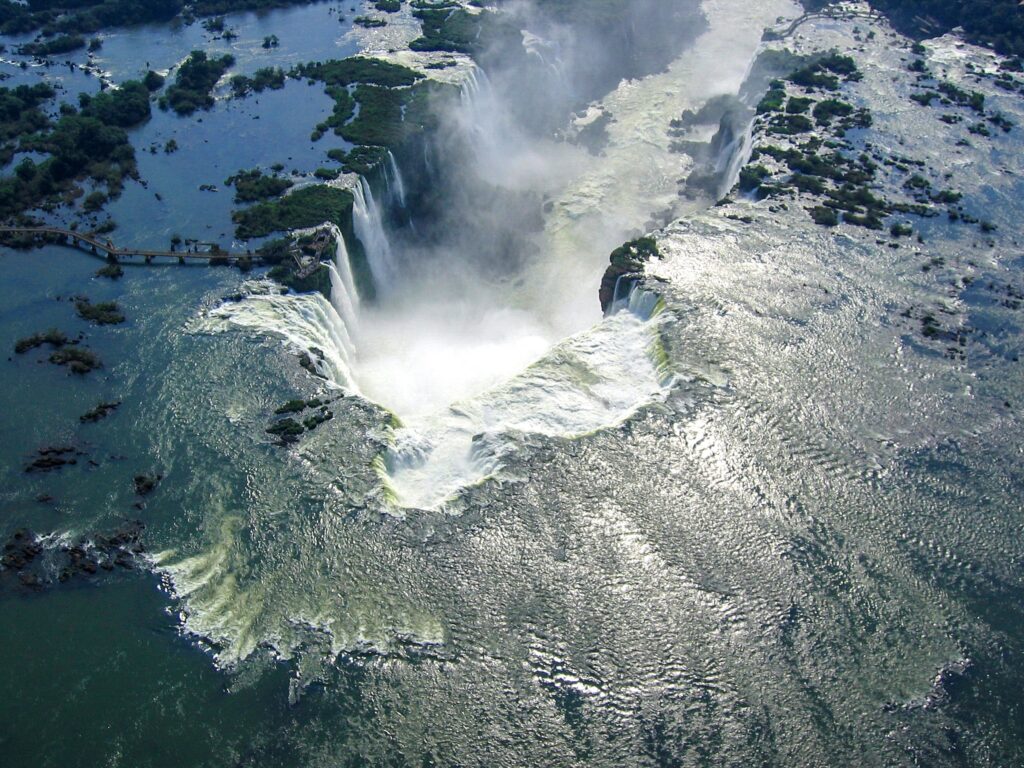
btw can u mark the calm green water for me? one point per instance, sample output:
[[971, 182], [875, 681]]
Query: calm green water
[[807, 552]]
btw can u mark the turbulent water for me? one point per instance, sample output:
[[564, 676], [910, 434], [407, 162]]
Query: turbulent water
[[749, 516], [437, 341]]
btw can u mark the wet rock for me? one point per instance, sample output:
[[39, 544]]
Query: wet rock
[[56, 339], [78, 360], [101, 411], [286, 430], [146, 483], [34, 562], [103, 313], [53, 457]]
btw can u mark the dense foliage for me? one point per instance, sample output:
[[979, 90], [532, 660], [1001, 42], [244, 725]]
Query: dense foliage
[[81, 16], [304, 208], [261, 80], [251, 186], [20, 115], [90, 144], [78, 147], [84, 16], [392, 99], [195, 81], [125, 106], [998, 23], [53, 47], [358, 70]]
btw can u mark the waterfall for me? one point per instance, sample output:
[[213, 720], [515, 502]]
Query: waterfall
[[394, 178], [734, 157], [369, 228], [344, 295], [470, 86], [535, 45], [641, 302]]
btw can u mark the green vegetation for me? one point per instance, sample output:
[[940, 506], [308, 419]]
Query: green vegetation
[[87, 16], [388, 116], [998, 23], [78, 146], [789, 125], [451, 29], [798, 105], [251, 186], [53, 337], [357, 69], [195, 81], [288, 430], [262, 79], [391, 99], [824, 72], [628, 259], [825, 111], [81, 16], [971, 99], [825, 217], [153, 81], [58, 45], [125, 106], [113, 270], [79, 360], [361, 160], [751, 177], [20, 116], [388, 6], [94, 201], [306, 207], [103, 313], [773, 100]]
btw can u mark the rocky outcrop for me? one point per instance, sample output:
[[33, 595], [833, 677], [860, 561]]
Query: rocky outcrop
[[627, 266], [30, 561]]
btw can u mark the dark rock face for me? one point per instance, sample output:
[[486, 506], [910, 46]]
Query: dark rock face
[[627, 261], [101, 411], [30, 561], [53, 457], [146, 483]]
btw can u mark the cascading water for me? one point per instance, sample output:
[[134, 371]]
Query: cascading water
[[735, 156], [396, 184], [467, 359], [344, 294], [369, 228], [304, 322]]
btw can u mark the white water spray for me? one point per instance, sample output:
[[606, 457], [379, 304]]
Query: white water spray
[[368, 224], [394, 180], [344, 294], [466, 358]]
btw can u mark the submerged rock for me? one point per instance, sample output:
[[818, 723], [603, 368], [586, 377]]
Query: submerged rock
[[101, 411], [53, 457], [32, 561], [146, 483]]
